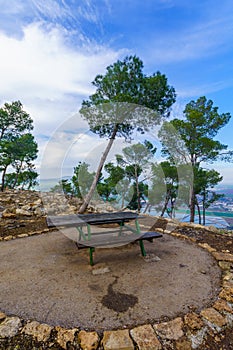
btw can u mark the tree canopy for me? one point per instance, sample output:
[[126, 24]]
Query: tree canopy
[[17, 145], [14, 120], [135, 160], [125, 99], [197, 130]]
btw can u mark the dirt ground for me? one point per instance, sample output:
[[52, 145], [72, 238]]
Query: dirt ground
[[46, 278]]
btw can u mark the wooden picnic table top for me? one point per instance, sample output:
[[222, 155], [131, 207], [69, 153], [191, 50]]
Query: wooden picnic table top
[[92, 219]]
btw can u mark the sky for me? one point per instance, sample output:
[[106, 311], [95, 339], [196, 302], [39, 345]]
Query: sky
[[51, 51]]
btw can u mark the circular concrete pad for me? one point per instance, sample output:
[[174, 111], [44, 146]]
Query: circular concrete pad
[[48, 279]]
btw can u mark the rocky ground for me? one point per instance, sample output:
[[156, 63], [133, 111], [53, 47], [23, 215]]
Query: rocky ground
[[24, 214]]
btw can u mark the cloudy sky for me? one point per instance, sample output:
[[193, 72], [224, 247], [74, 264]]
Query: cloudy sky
[[51, 50]]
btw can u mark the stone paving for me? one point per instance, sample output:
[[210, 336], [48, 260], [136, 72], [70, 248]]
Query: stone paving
[[181, 333]]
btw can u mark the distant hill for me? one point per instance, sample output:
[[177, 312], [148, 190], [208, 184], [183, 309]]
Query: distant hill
[[227, 190]]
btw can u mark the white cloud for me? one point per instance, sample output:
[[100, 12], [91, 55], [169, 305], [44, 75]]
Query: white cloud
[[51, 8], [48, 77], [41, 65]]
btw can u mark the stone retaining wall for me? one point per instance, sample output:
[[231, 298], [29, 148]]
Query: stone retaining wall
[[181, 333], [15, 203]]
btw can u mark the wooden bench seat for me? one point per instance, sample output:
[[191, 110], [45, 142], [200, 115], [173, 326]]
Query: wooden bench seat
[[118, 241]]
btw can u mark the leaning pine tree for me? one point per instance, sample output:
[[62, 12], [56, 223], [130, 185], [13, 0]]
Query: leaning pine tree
[[125, 99]]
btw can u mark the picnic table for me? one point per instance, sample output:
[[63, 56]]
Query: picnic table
[[104, 230]]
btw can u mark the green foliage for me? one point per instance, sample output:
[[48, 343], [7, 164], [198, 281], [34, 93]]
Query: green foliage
[[125, 81], [136, 194], [17, 145], [24, 149], [135, 160], [196, 144], [107, 188], [202, 123], [26, 179], [120, 92], [164, 187], [137, 154], [14, 120], [82, 179], [205, 180], [63, 186]]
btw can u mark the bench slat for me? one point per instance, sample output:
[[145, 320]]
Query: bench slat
[[151, 235], [118, 240], [92, 219]]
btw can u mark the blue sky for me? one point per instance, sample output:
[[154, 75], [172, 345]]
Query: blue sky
[[52, 50]]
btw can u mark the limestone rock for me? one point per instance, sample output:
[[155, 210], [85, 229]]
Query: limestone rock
[[22, 235], [39, 331], [88, 340], [197, 337], [179, 235], [117, 340], [38, 212], [145, 338], [8, 215], [214, 317], [193, 321], [26, 207], [227, 284], [227, 293], [65, 335], [23, 212], [37, 202], [228, 276], [8, 238], [183, 344], [9, 327], [212, 229], [192, 224], [207, 247], [223, 256], [222, 305], [225, 265], [171, 330]]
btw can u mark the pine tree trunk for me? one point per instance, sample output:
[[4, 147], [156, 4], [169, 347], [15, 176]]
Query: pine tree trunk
[[3, 179], [89, 196], [192, 205], [165, 205], [172, 208], [16, 176], [204, 202], [199, 212]]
